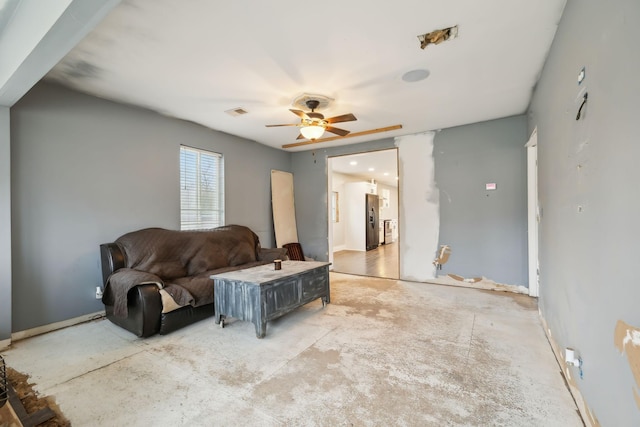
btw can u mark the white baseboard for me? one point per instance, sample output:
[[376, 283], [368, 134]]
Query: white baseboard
[[339, 248], [17, 336], [5, 344]]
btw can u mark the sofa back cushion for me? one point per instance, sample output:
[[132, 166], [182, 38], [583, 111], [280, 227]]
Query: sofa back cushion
[[170, 254], [226, 246]]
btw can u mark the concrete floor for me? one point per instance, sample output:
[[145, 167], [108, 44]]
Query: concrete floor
[[384, 352]]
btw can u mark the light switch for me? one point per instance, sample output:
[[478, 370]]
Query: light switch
[[490, 186]]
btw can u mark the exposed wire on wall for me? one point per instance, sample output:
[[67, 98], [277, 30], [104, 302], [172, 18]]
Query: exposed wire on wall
[[584, 102]]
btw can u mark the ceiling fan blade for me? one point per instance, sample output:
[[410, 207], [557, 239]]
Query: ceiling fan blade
[[301, 136], [343, 118], [337, 131], [300, 114], [351, 135], [273, 126]]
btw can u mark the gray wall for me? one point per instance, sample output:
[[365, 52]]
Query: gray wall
[[5, 226], [86, 170], [588, 259], [488, 234], [310, 191], [486, 230]]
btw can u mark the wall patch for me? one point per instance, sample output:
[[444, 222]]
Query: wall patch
[[627, 340]]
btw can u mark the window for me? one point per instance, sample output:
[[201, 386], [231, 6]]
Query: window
[[201, 189]]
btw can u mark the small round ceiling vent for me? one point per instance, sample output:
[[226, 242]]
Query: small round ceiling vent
[[415, 75], [301, 101]]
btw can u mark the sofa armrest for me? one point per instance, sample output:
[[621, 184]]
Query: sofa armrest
[[144, 310], [112, 259], [268, 255]]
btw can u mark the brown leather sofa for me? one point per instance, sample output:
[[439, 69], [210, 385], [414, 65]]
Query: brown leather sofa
[[157, 280]]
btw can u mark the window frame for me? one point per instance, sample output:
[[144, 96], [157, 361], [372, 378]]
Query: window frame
[[197, 216]]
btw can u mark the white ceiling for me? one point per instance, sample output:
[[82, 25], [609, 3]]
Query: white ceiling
[[382, 166], [194, 60]]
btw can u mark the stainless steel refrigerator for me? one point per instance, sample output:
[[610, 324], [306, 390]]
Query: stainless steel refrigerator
[[372, 221]]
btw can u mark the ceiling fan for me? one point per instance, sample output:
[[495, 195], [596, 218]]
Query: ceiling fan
[[312, 125]]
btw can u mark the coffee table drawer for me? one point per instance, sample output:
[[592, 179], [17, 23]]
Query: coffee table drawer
[[314, 285], [283, 296]]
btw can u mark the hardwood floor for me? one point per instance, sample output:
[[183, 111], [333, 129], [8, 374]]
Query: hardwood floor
[[380, 262]]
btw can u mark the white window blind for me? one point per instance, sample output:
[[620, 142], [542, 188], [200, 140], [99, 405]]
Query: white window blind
[[201, 189]]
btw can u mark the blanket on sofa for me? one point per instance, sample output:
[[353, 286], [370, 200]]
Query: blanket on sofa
[[180, 262], [119, 284], [198, 290]]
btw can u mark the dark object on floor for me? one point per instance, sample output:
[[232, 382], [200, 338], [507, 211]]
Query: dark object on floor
[[294, 251], [28, 420], [30, 408], [3, 382]]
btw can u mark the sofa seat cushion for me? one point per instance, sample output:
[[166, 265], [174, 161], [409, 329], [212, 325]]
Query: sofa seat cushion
[[194, 290]]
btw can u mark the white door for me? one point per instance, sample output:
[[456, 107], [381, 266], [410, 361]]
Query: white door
[[533, 213]]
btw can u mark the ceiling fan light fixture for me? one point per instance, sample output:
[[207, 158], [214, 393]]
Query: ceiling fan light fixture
[[313, 125], [312, 132]]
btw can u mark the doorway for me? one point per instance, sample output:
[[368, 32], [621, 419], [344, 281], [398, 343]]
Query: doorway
[[352, 179], [533, 213]]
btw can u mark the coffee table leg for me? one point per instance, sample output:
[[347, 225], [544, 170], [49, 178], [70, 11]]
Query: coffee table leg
[[261, 328], [219, 320]]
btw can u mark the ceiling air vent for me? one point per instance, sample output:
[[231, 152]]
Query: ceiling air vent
[[236, 111], [437, 36]]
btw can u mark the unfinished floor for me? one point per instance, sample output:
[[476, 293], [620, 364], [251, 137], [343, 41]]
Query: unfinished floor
[[384, 352]]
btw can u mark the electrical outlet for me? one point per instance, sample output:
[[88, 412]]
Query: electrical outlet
[[98, 292]]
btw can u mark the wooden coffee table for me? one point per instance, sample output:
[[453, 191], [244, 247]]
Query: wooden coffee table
[[261, 293]]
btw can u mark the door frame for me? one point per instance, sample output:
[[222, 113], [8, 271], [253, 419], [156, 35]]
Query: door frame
[[329, 164], [329, 218], [533, 213]]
